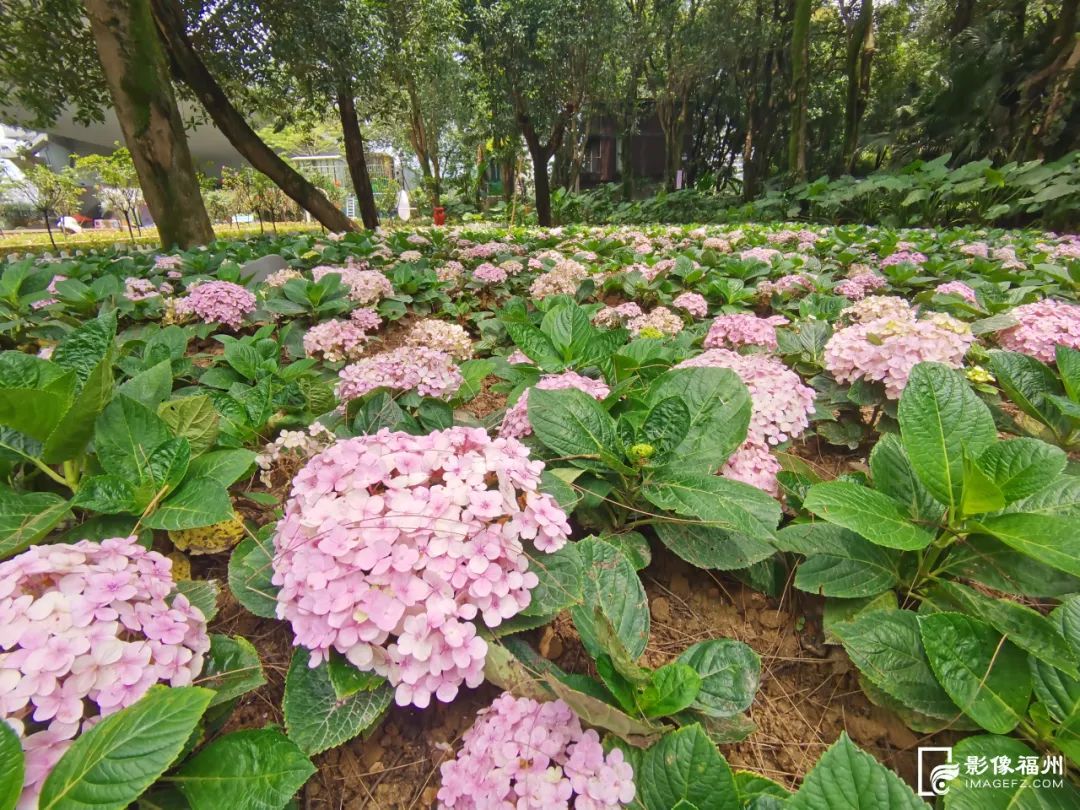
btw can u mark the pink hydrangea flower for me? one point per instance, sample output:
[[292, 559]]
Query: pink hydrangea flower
[[857, 286], [524, 754], [139, 289], [366, 287], [168, 262], [755, 465], [761, 254], [45, 302], [441, 335], [903, 257], [786, 285], [743, 329], [693, 303], [612, 317], [488, 273], [430, 372], [887, 349], [716, 243], [878, 306], [393, 545], [1041, 327], [335, 340], [217, 302], [366, 318], [85, 630], [563, 279], [515, 423], [956, 288], [659, 322]]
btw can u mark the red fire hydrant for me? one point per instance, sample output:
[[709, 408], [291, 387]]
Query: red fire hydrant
[[438, 215]]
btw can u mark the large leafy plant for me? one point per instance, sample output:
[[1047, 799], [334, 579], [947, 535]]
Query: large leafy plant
[[951, 505], [1048, 401]]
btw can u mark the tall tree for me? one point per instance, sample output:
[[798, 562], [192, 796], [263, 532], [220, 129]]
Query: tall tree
[[172, 26], [541, 58], [860, 53], [142, 93], [800, 89]]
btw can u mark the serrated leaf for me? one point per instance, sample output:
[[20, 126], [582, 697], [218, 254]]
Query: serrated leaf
[[125, 434], [665, 426], [347, 680], [984, 674], [887, 648], [611, 584], [193, 418], [26, 517], [849, 778], [152, 386], [107, 767], [223, 466], [710, 499], [711, 546], [250, 574], [870, 514], [255, 769], [718, 404], [572, 424], [1022, 467], [893, 475], [1050, 540], [839, 562], [197, 502], [685, 766], [940, 418], [730, 673], [232, 668], [672, 688], [12, 767], [561, 584], [316, 718], [1059, 692]]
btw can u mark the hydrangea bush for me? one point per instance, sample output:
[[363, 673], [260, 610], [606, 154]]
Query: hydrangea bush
[[1041, 327], [429, 372], [85, 630], [217, 302], [393, 546]]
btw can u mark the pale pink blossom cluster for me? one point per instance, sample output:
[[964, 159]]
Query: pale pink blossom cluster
[[366, 318], [780, 408], [139, 289], [293, 446], [279, 278], [1068, 248], [85, 630], [887, 349], [392, 545], [366, 287], [657, 268], [743, 329], [803, 237], [956, 288], [524, 754], [563, 279], [417, 239], [716, 243], [515, 423], [760, 254], [482, 251], [518, 357], [1041, 327], [451, 271], [45, 302], [411, 256], [877, 306], [786, 285], [168, 262], [1007, 257], [977, 249], [856, 287], [429, 372], [442, 335], [335, 340], [904, 257], [613, 317], [693, 303], [659, 322], [488, 273], [512, 266], [217, 302]]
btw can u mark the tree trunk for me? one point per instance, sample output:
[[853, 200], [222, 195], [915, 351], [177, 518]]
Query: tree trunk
[[540, 158], [170, 23], [860, 53], [962, 16], [626, 161], [800, 86], [137, 75], [354, 157], [48, 229]]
